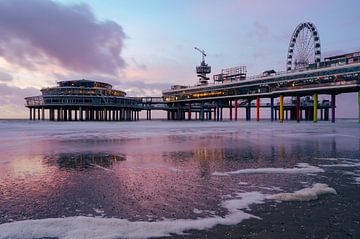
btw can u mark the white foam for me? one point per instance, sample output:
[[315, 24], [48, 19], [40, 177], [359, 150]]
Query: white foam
[[341, 165], [338, 159], [197, 211], [305, 194], [357, 180], [90, 227], [243, 183], [346, 163], [300, 168]]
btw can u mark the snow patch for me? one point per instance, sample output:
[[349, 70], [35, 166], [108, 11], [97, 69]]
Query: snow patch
[[300, 168], [305, 194]]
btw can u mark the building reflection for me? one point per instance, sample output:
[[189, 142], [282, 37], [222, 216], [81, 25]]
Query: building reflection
[[209, 154], [85, 160]]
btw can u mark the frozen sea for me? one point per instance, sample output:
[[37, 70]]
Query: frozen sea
[[179, 179]]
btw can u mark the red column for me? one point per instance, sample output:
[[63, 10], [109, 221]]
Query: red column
[[257, 108], [236, 108], [298, 109]]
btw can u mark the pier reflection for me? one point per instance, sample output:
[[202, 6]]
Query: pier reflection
[[84, 160]]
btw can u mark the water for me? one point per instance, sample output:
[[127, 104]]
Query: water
[[179, 179]]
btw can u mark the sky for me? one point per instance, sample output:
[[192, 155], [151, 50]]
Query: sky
[[143, 47]]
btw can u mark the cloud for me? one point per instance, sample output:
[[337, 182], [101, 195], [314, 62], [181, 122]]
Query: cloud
[[139, 88], [5, 77], [35, 32], [12, 101], [259, 31], [15, 95]]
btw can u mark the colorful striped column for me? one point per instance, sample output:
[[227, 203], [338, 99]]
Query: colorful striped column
[[315, 98], [281, 108]]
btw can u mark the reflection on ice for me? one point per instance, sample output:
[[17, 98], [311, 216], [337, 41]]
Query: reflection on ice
[[84, 160]]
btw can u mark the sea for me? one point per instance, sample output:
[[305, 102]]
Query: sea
[[179, 179]]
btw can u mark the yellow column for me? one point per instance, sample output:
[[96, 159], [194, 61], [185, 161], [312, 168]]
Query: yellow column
[[315, 107], [281, 108]]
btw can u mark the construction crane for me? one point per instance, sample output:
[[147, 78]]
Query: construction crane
[[202, 53], [203, 69]]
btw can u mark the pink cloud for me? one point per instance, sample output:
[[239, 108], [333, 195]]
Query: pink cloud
[[70, 35]]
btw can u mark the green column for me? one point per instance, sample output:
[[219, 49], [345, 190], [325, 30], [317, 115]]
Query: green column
[[315, 107]]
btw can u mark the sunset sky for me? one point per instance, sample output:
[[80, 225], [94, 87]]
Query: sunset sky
[[143, 46]]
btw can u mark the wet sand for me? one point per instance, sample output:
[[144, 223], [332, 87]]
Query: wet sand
[[160, 178]]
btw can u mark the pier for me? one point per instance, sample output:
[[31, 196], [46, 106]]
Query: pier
[[289, 95]]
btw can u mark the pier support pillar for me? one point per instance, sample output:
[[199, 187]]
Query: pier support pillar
[[30, 113], [333, 105], [281, 111], [202, 111], [42, 113], [38, 114], [248, 110], [315, 98], [51, 114], [217, 113], [65, 116], [230, 109], [258, 108], [359, 106], [81, 113], [189, 112], [321, 114], [326, 114], [272, 109], [236, 109], [298, 109]]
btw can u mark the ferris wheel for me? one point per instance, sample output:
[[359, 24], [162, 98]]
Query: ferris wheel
[[304, 47]]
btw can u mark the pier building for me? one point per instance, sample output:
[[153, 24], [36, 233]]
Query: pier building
[[83, 100]]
